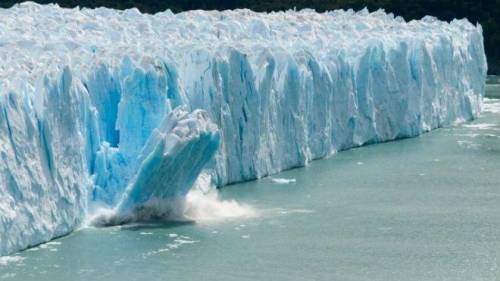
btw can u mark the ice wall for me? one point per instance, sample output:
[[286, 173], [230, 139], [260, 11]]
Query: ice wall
[[118, 108]]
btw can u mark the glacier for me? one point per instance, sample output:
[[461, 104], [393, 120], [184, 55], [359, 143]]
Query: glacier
[[120, 109]]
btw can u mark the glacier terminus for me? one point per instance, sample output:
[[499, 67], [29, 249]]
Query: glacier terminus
[[126, 111]]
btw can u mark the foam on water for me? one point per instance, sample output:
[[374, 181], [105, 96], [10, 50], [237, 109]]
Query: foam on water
[[5, 260], [491, 105], [482, 126]]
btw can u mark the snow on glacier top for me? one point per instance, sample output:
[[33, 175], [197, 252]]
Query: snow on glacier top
[[89, 99], [33, 39]]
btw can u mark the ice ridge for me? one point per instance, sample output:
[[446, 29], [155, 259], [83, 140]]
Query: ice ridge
[[119, 108]]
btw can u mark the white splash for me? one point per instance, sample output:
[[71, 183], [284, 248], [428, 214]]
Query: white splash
[[201, 204], [207, 206]]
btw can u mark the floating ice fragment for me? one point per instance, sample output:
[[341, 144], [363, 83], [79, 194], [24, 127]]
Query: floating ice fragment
[[5, 260], [282, 180]]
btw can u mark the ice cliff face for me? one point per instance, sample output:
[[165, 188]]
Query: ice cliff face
[[120, 109]]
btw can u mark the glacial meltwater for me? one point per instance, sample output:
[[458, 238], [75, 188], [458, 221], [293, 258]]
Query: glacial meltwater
[[426, 208]]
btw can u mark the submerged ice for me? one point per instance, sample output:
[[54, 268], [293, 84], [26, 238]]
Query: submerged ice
[[124, 110]]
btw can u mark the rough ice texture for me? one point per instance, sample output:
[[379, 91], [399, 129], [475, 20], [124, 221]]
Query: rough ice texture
[[88, 99], [172, 160]]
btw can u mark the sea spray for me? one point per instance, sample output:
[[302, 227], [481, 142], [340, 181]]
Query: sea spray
[[202, 204]]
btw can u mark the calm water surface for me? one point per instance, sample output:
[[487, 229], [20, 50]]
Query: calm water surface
[[418, 209]]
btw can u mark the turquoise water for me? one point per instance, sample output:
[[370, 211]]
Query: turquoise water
[[426, 208]]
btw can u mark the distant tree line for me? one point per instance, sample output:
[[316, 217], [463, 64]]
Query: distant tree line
[[486, 12]]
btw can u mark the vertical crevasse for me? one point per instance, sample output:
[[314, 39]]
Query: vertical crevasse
[[125, 110]]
